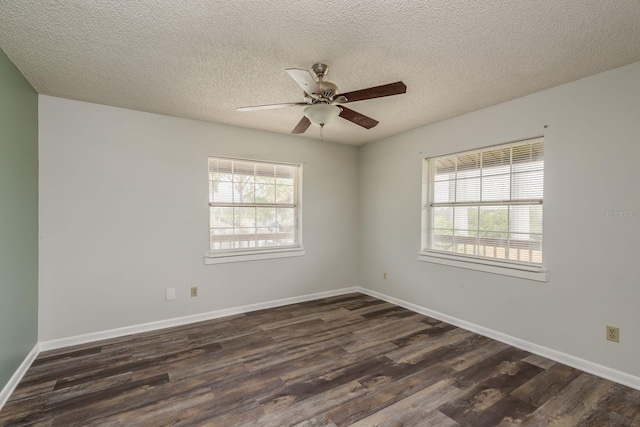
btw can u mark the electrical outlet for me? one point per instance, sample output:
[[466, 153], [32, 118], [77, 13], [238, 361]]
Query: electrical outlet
[[613, 334], [384, 276], [194, 291], [170, 294]]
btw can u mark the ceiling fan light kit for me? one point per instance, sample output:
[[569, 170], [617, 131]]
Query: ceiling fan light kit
[[322, 114], [320, 98]]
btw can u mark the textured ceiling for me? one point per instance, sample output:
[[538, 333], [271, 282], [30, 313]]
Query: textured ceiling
[[202, 59]]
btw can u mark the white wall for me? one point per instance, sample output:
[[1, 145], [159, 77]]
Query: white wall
[[592, 149], [124, 215]]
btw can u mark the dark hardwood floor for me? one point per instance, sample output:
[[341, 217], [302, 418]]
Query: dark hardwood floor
[[347, 360]]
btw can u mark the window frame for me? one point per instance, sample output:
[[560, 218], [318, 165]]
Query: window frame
[[531, 271], [218, 256]]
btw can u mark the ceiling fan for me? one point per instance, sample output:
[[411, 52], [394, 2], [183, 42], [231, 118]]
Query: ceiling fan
[[321, 97]]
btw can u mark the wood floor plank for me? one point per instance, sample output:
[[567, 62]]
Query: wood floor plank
[[386, 332], [540, 361], [618, 407], [502, 361], [325, 367], [25, 392], [290, 321], [508, 411], [134, 364], [575, 401], [418, 409], [314, 406], [294, 393], [480, 349], [344, 360], [79, 410], [321, 421], [478, 404], [414, 352], [65, 357], [243, 416], [408, 387], [418, 418], [370, 307], [546, 385]]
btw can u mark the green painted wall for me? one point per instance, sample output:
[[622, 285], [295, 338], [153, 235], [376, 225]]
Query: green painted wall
[[18, 218]]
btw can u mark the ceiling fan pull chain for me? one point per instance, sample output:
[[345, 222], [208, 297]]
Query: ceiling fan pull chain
[[322, 132]]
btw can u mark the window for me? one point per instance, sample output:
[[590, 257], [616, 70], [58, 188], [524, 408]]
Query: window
[[485, 206], [254, 208]]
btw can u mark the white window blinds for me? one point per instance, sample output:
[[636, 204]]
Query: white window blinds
[[252, 205], [486, 204]]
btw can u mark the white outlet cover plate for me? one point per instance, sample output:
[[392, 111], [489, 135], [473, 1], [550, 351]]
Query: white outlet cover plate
[[170, 294]]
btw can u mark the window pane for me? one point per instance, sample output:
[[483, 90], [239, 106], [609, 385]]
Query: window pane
[[442, 240], [265, 193], [245, 217], [443, 231], [444, 191], [524, 247], [496, 170], [464, 219], [468, 166], [220, 169], [244, 189], [526, 219], [527, 185], [266, 217], [286, 223], [496, 187], [243, 168], [464, 243], [525, 167], [496, 160], [284, 194], [535, 218], [222, 192], [221, 217], [285, 175], [493, 244], [528, 157], [265, 173], [445, 169], [494, 220], [468, 190], [286, 217], [443, 217]]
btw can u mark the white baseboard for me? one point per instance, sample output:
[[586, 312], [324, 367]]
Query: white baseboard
[[6, 391], [179, 321], [558, 356]]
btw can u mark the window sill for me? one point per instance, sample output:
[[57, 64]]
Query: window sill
[[521, 271], [241, 256]]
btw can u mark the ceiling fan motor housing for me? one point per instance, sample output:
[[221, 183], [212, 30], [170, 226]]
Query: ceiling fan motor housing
[[327, 90]]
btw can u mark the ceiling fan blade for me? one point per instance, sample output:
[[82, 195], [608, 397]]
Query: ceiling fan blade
[[270, 106], [302, 125], [357, 118], [305, 80], [396, 88]]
